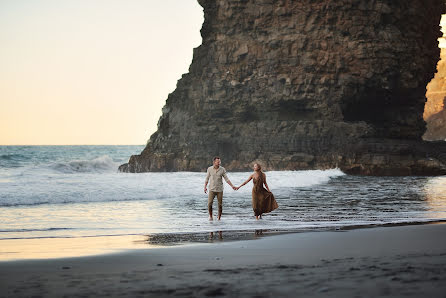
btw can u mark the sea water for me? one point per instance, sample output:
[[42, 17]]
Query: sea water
[[77, 191]]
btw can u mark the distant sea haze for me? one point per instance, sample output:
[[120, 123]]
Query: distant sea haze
[[75, 191]]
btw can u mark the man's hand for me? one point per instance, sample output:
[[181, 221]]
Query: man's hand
[[234, 188], [205, 189]]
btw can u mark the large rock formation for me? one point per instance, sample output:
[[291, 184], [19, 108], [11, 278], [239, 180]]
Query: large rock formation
[[436, 89], [434, 110], [436, 126], [303, 85]]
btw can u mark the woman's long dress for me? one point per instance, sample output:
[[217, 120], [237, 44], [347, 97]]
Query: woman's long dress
[[262, 200]]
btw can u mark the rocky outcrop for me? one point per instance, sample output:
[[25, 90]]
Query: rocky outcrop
[[434, 110], [436, 89], [436, 125], [304, 85]]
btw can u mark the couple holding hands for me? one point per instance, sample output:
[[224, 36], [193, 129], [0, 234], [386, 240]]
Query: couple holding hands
[[262, 199]]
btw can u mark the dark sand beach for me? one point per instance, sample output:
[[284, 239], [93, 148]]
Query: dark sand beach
[[400, 261]]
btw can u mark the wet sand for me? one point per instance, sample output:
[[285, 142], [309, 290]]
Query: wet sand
[[401, 261]]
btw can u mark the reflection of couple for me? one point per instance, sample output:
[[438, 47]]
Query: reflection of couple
[[262, 199]]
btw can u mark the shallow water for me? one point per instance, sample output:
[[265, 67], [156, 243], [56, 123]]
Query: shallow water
[[75, 191]]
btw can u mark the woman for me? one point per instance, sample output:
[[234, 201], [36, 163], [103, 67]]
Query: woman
[[262, 199]]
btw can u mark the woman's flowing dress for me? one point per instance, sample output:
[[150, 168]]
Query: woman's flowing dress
[[262, 200]]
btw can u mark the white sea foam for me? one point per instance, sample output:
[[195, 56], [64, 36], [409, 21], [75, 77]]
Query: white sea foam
[[70, 191], [302, 178], [98, 181], [100, 164]]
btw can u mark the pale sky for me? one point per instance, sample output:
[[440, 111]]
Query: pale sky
[[91, 72]]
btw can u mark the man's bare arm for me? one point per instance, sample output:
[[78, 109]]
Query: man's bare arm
[[229, 181], [206, 182]]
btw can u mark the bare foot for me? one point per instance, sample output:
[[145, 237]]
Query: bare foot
[[210, 218], [257, 217]]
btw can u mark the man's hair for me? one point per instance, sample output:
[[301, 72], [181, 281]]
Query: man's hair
[[216, 157]]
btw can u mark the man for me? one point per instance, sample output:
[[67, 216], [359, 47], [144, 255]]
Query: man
[[214, 175]]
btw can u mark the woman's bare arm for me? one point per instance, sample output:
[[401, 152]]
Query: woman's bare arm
[[249, 179], [264, 181]]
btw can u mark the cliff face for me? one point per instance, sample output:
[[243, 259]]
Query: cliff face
[[436, 126], [434, 110], [303, 85], [436, 89]]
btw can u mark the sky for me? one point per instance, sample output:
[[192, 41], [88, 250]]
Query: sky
[[442, 40], [84, 72]]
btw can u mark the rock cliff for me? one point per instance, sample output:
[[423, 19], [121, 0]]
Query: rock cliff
[[304, 85], [436, 89], [434, 110]]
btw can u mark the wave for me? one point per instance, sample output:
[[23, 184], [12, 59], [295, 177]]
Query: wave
[[99, 181], [100, 164], [12, 156], [12, 160], [303, 178]]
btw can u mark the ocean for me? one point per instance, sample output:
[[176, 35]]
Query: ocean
[[76, 191]]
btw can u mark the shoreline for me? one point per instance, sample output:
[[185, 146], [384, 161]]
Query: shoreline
[[395, 261], [28, 249]]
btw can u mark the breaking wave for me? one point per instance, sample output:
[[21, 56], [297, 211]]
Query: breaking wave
[[100, 164], [98, 180]]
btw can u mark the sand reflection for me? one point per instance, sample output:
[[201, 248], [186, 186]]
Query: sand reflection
[[49, 248], [219, 235]]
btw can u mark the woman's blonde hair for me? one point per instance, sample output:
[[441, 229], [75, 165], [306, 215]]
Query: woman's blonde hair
[[259, 166]]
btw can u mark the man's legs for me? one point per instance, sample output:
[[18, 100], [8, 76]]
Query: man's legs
[[220, 203], [210, 201]]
